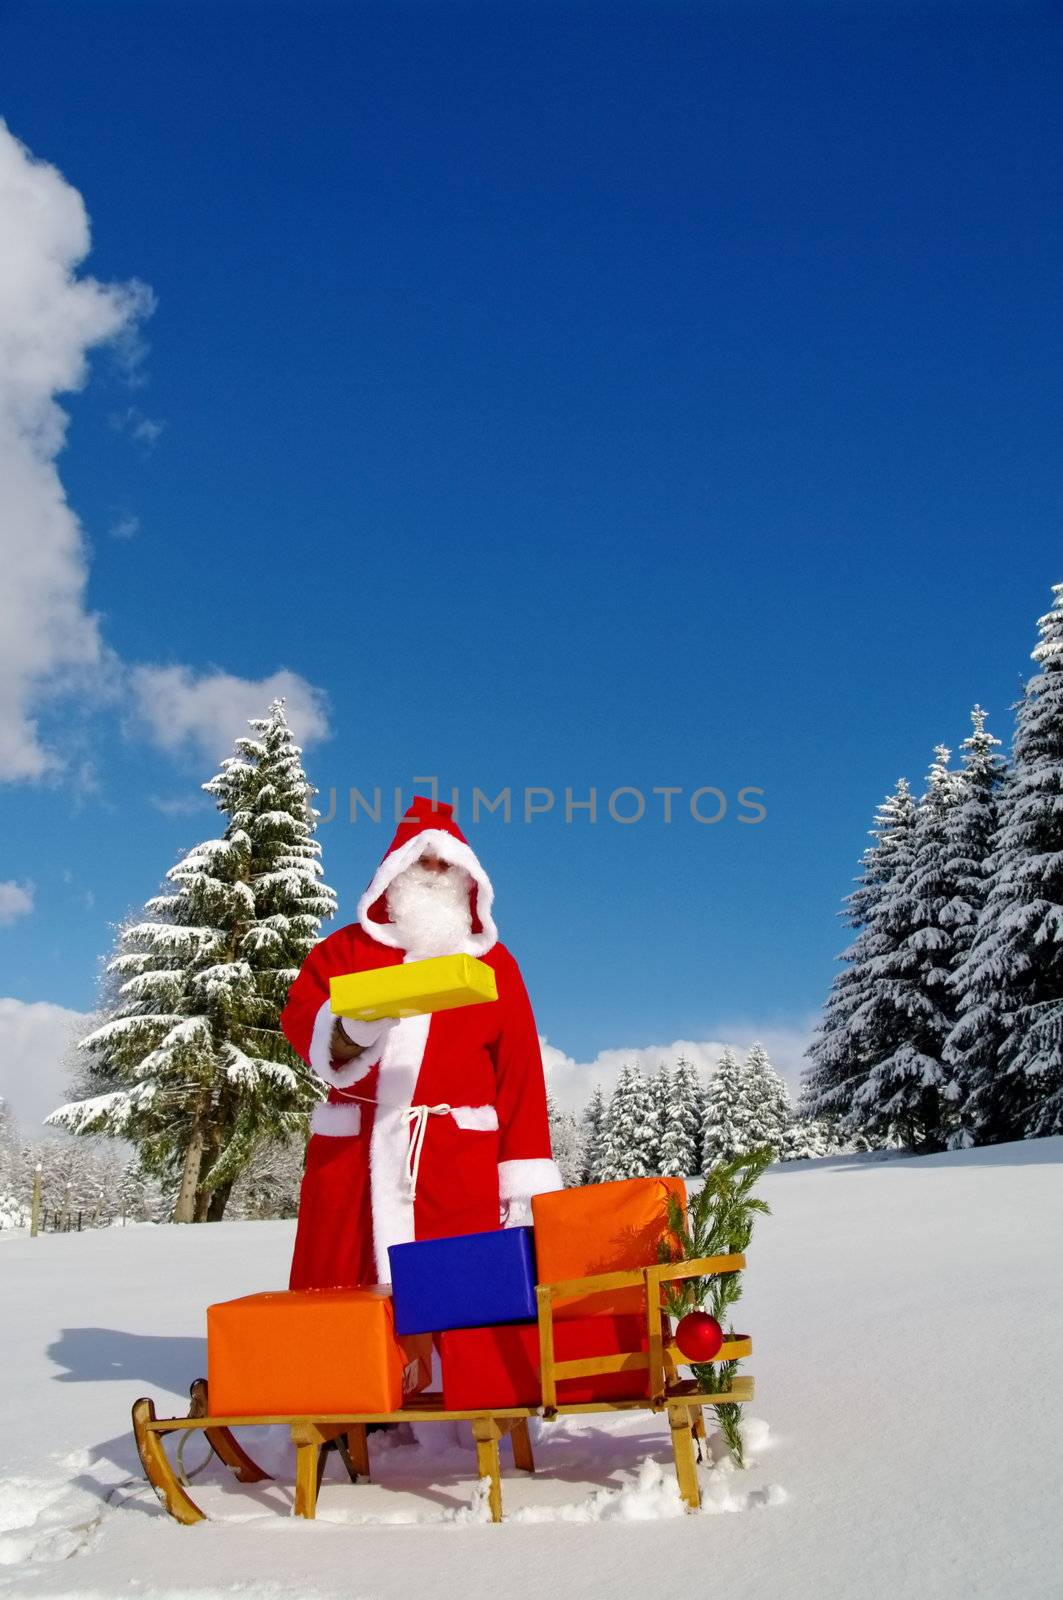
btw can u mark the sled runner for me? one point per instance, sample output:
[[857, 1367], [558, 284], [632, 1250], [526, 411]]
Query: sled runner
[[650, 1373]]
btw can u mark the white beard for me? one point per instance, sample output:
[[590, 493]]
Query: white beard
[[430, 910]]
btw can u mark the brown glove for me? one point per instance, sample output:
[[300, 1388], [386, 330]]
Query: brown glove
[[340, 1047]]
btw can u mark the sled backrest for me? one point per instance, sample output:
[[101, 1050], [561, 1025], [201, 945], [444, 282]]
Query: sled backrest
[[659, 1357]]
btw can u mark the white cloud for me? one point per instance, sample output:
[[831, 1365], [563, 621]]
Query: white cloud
[[205, 713], [179, 805], [145, 430], [50, 644], [49, 319], [573, 1082], [36, 1046], [126, 526], [16, 900]]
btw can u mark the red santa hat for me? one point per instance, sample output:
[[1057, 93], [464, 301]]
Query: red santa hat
[[428, 828]]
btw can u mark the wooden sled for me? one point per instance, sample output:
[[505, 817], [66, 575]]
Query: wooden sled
[[347, 1433]]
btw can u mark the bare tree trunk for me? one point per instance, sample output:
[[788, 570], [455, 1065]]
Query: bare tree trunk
[[219, 1199], [211, 1151], [185, 1209]]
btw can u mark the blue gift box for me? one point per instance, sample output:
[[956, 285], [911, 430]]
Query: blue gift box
[[473, 1280]]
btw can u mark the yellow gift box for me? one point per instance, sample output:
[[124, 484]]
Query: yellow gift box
[[413, 987]]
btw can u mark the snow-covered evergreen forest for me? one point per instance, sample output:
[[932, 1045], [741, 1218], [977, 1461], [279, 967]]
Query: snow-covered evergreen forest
[[944, 1027], [670, 1123], [101, 1182]]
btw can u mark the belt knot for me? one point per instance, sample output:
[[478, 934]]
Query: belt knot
[[416, 1119]]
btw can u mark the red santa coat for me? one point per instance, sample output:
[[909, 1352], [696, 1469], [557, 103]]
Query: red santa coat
[[443, 1125]]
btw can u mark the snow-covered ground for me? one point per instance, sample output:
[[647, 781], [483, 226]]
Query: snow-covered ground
[[907, 1317]]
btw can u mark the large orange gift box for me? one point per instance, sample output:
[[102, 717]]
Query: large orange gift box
[[604, 1227], [307, 1352]]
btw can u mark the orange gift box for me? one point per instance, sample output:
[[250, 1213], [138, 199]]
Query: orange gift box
[[602, 1227], [304, 1352]]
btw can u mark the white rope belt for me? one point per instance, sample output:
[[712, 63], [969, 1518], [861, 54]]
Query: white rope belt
[[416, 1117]]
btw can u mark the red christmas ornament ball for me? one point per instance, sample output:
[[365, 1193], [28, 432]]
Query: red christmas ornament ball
[[699, 1336]]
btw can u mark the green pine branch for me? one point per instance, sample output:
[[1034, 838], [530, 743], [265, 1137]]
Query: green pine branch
[[718, 1221]]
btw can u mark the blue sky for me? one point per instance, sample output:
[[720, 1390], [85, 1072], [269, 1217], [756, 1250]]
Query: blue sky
[[561, 396]]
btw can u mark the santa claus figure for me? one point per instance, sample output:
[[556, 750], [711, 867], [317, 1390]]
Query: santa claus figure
[[435, 1124]]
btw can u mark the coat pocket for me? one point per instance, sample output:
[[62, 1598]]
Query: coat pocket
[[476, 1119], [336, 1122]]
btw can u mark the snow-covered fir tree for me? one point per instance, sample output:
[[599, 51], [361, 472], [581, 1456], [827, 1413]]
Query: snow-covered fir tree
[[660, 1086], [594, 1122], [627, 1144], [14, 1202], [970, 827], [860, 1026], [907, 1091], [809, 1138], [77, 1176], [970, 830], [190, 1063], [566, 1141], [1007, 1043], [768, 1098], [137, 1197], [728, 1113], [680, 1142]]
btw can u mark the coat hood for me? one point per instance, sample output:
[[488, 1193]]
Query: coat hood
[[429, 826]]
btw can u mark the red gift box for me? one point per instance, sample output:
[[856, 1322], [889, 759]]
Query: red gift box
[[484, 1367]]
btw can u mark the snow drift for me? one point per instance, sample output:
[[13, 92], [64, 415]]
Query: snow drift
[[906, 1316]]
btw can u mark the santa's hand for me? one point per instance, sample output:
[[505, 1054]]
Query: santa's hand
[[351, 1059], [362, 1034], [515, 1213], [350, 1038]]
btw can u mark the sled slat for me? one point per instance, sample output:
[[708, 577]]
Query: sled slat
[[697, 1267], [593, 1366], [601, 1283], [547, 1381], [740, 1391], [340, 1420], [735, 1349]]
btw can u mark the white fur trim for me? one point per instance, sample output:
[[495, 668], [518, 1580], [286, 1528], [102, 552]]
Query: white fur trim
[[336, 1122], [519, 1180], [479, 1119], [365, 1033], [448, 849], [321, 1053], [400, 1066]]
